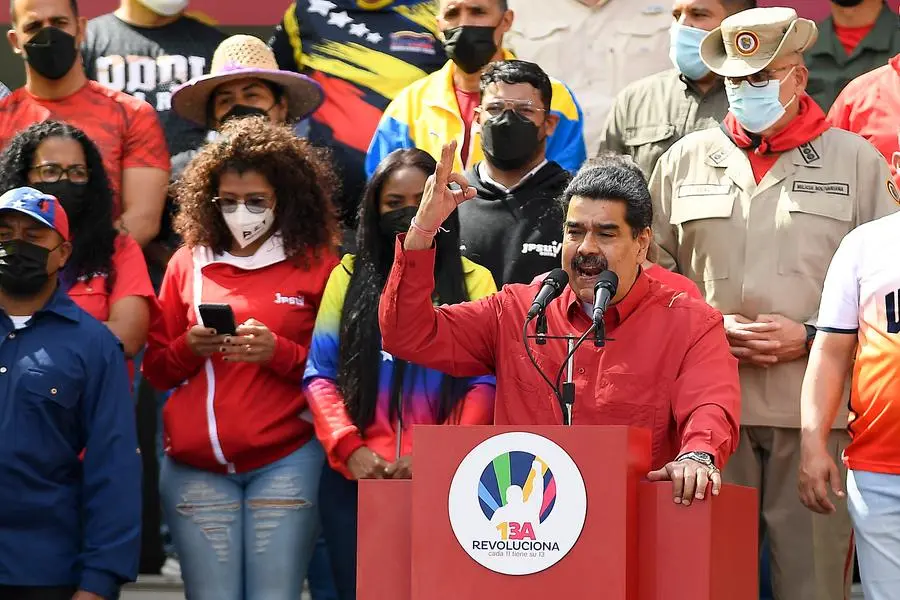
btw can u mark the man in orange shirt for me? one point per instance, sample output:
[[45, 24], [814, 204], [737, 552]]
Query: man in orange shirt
[[859, 317], [48, 33]]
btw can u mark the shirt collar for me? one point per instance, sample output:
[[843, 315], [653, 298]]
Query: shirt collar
[[58, 304], [618, 312], [270, 253], [879, 39], [882, 33], [690, 86], [483, 175]]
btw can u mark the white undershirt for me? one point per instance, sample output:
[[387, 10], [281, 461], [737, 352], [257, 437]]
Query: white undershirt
[[482, 172], [19, 322]]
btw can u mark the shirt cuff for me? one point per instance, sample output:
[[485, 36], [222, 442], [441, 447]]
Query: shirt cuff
[[184, 355], [98, 582], [347, 446], [282, 360], [698, 446]]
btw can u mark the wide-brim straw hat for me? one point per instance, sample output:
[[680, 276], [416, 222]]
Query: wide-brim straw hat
[[748, 41], [245, 57]]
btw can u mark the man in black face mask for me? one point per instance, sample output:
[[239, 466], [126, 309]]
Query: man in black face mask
[[858, 37], [514, 225], [63, 390], [47, 34], [441, 107]]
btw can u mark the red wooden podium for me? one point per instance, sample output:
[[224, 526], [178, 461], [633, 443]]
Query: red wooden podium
[[629, 540]]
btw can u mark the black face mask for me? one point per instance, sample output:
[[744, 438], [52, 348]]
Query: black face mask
[[470, 46], [70, 195], [51, 52], [397, 221], [847, 3], [239, 111], [509, 141], [23, 268]]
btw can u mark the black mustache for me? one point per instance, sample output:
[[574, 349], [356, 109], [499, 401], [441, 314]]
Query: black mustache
[[580, 261]]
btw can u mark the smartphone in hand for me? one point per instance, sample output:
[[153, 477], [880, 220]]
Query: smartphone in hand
[[219, 317]]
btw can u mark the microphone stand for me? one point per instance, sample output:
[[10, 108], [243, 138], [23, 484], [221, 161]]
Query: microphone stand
[[565, 392], [568, 388]]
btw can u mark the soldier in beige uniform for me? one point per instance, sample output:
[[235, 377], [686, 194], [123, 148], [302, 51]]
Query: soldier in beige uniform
[[596, 47], [653, 113], [752, 212]]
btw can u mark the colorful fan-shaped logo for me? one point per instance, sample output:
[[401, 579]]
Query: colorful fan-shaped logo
[[513, 477]]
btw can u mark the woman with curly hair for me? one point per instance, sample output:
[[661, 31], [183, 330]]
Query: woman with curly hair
[[364, 401], [239, 483], [106, 275]]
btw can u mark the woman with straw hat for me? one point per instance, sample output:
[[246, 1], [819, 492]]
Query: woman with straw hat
[[244, 80]]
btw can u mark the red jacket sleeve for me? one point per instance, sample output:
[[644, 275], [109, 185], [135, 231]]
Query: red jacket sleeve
[[840, 111], [706, 397], [289, 358], [458, 339], [476, 407], [168, 361], [334, 428]]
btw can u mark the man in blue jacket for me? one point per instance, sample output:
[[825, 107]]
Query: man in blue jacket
[[69, 527]]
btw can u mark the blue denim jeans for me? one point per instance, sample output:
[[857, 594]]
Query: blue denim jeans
[[245, 536], [874, 503]]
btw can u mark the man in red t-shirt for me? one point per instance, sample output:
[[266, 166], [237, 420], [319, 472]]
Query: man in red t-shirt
[[48, 33]]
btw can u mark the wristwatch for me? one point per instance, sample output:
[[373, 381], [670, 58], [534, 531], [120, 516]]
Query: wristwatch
[[704, 458], [810, 336]]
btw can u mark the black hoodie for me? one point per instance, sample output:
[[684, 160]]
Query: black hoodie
[[517, 235]]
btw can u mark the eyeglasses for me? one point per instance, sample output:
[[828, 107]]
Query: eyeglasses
[[524, 108], [760, 79], [52, 172], [254, 204]]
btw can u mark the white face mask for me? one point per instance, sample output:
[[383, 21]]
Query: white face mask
[[247, 227], [166, 8]]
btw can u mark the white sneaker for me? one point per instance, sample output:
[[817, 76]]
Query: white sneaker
[[171, 569]]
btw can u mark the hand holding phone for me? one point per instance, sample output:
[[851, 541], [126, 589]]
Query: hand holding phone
[[219, 317], [204, 341]]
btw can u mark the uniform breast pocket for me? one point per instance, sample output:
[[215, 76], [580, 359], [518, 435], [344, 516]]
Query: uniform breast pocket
[[703, 215], [811, 227], [640, 41], [47, 413], [647, 143], [631, 399], [527, 400]]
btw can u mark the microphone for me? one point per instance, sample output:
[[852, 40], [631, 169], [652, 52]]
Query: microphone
[[604, 290], [552, 286]]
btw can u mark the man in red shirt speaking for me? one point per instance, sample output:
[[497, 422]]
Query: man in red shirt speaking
[[666, 365]]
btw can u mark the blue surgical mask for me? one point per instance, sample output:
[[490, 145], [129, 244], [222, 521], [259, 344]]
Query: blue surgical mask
[[684, 50], [756, 108]]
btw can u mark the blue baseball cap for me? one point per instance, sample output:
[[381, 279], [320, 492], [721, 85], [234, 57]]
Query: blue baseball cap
[[41, 207]]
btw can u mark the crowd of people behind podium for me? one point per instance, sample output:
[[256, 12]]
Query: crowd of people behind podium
[[353, 192]]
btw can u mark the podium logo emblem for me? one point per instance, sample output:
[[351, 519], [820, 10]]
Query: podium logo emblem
[[517, 503]]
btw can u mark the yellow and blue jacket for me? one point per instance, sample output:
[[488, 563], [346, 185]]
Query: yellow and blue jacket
[[425, 115]]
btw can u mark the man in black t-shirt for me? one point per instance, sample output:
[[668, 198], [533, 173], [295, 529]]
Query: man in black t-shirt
[[145, 48], [145, 53]]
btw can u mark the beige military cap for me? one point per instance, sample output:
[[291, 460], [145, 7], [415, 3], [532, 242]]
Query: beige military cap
[[748, 41]]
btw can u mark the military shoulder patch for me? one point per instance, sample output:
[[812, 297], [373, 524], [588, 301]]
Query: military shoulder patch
[[893, 191], [808, 153]]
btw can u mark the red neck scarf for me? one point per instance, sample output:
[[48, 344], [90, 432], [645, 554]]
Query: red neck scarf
[[763, 152]]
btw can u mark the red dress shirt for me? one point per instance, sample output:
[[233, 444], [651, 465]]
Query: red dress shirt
[[667, 369]]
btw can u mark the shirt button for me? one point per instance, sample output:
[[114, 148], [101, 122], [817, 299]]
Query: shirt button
[[581, 371], [2, 370], [53, 391], [12, 336]]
